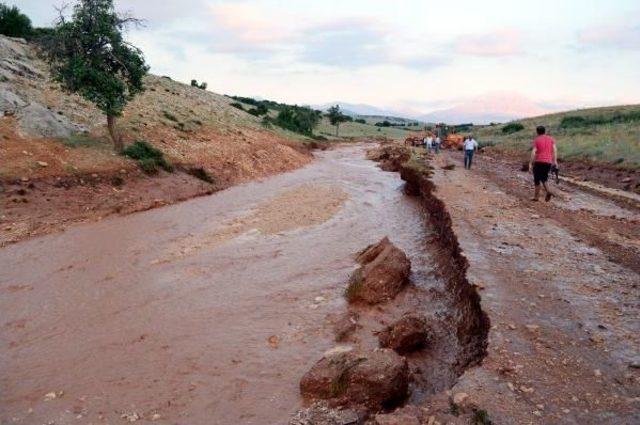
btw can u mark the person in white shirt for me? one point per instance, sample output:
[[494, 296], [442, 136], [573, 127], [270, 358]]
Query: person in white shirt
[[428, 143], [436, 145], [470, 146]]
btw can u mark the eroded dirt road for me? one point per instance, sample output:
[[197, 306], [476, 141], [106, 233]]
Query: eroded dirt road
[[560, 283], [205, 312]]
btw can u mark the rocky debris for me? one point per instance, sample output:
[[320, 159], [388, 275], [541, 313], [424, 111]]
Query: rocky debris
[[376, 379], [385, 270], [390, 156], [53, 395], [344, 325], [131, 417], [16, 58], [322, 414], [409, 333], [408, 415], [10, 102]]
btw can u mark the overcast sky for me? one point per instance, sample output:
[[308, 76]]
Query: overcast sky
[[407, 55]]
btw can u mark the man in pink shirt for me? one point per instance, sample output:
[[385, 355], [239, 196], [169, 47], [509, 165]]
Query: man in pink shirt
[[543, 155]]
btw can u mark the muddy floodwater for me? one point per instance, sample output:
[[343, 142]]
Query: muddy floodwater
[[205, 312]]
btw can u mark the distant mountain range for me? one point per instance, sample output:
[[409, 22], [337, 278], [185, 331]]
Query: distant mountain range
[[485, 109], [492, 107], [360, 109]]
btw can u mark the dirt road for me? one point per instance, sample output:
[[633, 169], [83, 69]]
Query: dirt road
[[205, 312], [560, 283]]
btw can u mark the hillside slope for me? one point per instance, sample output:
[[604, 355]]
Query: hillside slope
[[192, 126], [51, 140], [604, 136]]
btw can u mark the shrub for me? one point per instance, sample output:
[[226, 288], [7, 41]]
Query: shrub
[[148, 157], [481, 417], [81, 140], [384, 123], [237, 105], [168, 115], [360, 120], [259, 110], [13, 23], [513, 127], [577, 121], [201, 173], [573, 122], [194, 83]]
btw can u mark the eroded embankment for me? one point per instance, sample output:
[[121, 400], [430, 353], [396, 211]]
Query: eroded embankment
[[449, 305], [471, 322]]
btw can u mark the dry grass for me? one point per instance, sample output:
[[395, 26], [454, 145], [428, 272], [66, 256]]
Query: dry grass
[[611, 143]]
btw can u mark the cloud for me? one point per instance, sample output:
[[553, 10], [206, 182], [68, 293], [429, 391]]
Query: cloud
[[503, 42], [347, 42], [624, 35], [249, 24], [247, 30]]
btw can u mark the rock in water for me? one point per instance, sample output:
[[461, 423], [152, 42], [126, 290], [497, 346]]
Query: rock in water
[[409, 333], [384, 271], [344, 325], [376, 379]]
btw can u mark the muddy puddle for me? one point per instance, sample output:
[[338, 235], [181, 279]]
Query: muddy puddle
[[209, 311]]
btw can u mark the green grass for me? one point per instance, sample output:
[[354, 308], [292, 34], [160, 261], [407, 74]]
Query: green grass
[[149, 158], [83, 141], [602, 135], [168, 115], [355, 129]]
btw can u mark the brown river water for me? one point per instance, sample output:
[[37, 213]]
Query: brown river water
[[204, 312]]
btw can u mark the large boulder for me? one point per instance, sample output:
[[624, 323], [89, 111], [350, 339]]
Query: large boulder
[[383, 272], [409, 333], [38, 121], [376, 379]]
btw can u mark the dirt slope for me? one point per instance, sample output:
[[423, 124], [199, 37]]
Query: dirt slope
[[48, 137]]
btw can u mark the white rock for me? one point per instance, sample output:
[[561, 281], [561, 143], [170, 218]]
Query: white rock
[[459, 398]]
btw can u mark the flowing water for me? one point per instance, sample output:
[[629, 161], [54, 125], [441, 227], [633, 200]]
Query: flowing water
[[205, 312]]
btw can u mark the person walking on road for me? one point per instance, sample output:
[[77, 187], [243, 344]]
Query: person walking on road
[[470, 145], [544, 155], [436, 145]]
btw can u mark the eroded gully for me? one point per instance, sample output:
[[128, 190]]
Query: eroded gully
[[210, 311]]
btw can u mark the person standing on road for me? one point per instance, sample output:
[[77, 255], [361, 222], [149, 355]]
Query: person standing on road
[[470, 145], [544, 154], [436, 145], [428, 143]]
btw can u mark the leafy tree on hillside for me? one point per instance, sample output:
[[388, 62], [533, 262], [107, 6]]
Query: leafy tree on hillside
[[90, 57], [13, 23], [336, 117], [298, 119]]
